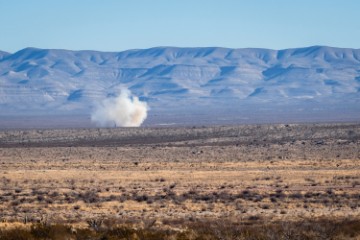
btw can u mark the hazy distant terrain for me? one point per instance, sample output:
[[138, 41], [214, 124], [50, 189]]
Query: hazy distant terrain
[[186, 85]]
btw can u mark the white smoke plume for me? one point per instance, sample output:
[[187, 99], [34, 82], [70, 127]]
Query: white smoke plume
[[123, 110]]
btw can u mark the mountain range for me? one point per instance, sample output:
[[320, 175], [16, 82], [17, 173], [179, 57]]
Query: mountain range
[[250, 83]]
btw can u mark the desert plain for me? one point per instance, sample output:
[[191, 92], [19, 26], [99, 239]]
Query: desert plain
[[172, 178]]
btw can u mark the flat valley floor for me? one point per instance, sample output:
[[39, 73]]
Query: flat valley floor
[[244, 173]]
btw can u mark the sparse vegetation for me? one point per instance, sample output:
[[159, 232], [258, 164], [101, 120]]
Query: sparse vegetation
[[253, 228]]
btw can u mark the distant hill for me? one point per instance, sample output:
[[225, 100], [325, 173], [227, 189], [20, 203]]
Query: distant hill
[[299, 81]]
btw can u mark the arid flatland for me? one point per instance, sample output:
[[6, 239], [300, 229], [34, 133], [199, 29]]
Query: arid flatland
[[242, 173]]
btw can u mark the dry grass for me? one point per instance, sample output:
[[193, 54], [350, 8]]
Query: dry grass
[[254, 228]]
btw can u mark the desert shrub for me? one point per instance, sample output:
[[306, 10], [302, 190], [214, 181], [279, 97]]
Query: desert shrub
[[141, 198], [265, 206], [43, 231], [18, 190], [16, 234], [297, 195], [40, 198], [282, 212], [89, 197]]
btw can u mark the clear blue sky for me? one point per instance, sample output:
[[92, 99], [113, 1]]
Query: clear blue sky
[[115, 25]]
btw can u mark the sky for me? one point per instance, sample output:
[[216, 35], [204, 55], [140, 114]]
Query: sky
[[117, 25]]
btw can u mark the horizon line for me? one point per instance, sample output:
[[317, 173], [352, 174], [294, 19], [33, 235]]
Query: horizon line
[[155, 47]]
